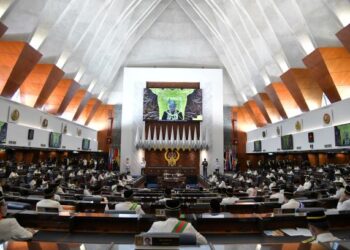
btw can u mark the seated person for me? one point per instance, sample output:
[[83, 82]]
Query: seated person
[[48, 201], [9, 227], [222, 184], [173, 224], [344, 200], [230, 199], [290, 203], [307, 184], [319, 228], [128, 205], [340, 189], [277, 194], [251, 191]]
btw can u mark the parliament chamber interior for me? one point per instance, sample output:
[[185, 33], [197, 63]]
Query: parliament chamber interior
[[174, 124]]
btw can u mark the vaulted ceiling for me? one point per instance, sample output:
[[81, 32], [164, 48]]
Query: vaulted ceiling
[[254, 41]]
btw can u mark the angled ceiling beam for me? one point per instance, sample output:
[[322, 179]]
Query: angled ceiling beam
[[344, 36], [267, 108], [3, 29], [92, 112], [39, 84], [82, 105], [65, 91], [17, 59], [330, 67], [255, 113], [304, 89], [282, 99], [74, 104]]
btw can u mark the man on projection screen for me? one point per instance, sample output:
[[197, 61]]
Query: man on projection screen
[[172, 114]]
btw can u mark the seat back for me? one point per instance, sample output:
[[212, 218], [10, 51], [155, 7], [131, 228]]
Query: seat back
[[48, 209]]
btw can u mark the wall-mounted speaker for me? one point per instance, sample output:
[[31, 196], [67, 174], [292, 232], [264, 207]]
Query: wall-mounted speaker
[[30, 134]]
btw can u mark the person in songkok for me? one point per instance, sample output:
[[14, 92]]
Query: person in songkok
[[173, 225], [230, 199], [290, 202], [344, 200], [319, 228], [48, 201], [128, 204]]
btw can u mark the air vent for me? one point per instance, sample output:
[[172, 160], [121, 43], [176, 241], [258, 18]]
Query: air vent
[[63, 146], [299, 147], [13, 142], [328, 145], [42, 145]]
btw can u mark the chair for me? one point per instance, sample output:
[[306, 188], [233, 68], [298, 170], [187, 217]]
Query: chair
[[309, 209]]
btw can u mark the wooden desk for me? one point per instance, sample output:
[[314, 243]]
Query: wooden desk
[[23, 245], [159, 171]]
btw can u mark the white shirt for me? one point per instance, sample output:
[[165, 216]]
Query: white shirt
[[307, 185], [229, 200], [213, 178], [325, 237], [125, 206], [222, 184], [48, 203], [13, 175], [291, 204], [279, 196], [168, 226], [342, 206], [339, 193], [10, 229], [251, 192]]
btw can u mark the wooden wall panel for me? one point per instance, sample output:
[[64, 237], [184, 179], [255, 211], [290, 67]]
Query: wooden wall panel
[[255, 113], [57, 96], [88, 109], [102, 122], [304, 89], [17, 59], [93, 112], [330, 67], [3, 29], [187, 159], [265, 103], [74, 104], [282, 99], [39, 84], [244, 124], [82, 105], [344, 36], [72, 91]]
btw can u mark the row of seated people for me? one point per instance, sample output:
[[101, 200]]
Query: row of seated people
[[10, 229], [295, 179]]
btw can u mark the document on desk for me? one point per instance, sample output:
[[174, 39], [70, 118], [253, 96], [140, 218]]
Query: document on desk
[[304, 232], [297, 232]]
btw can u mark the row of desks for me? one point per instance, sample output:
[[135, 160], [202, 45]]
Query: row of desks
[[187, 206], [224, 223], [75, 246]]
